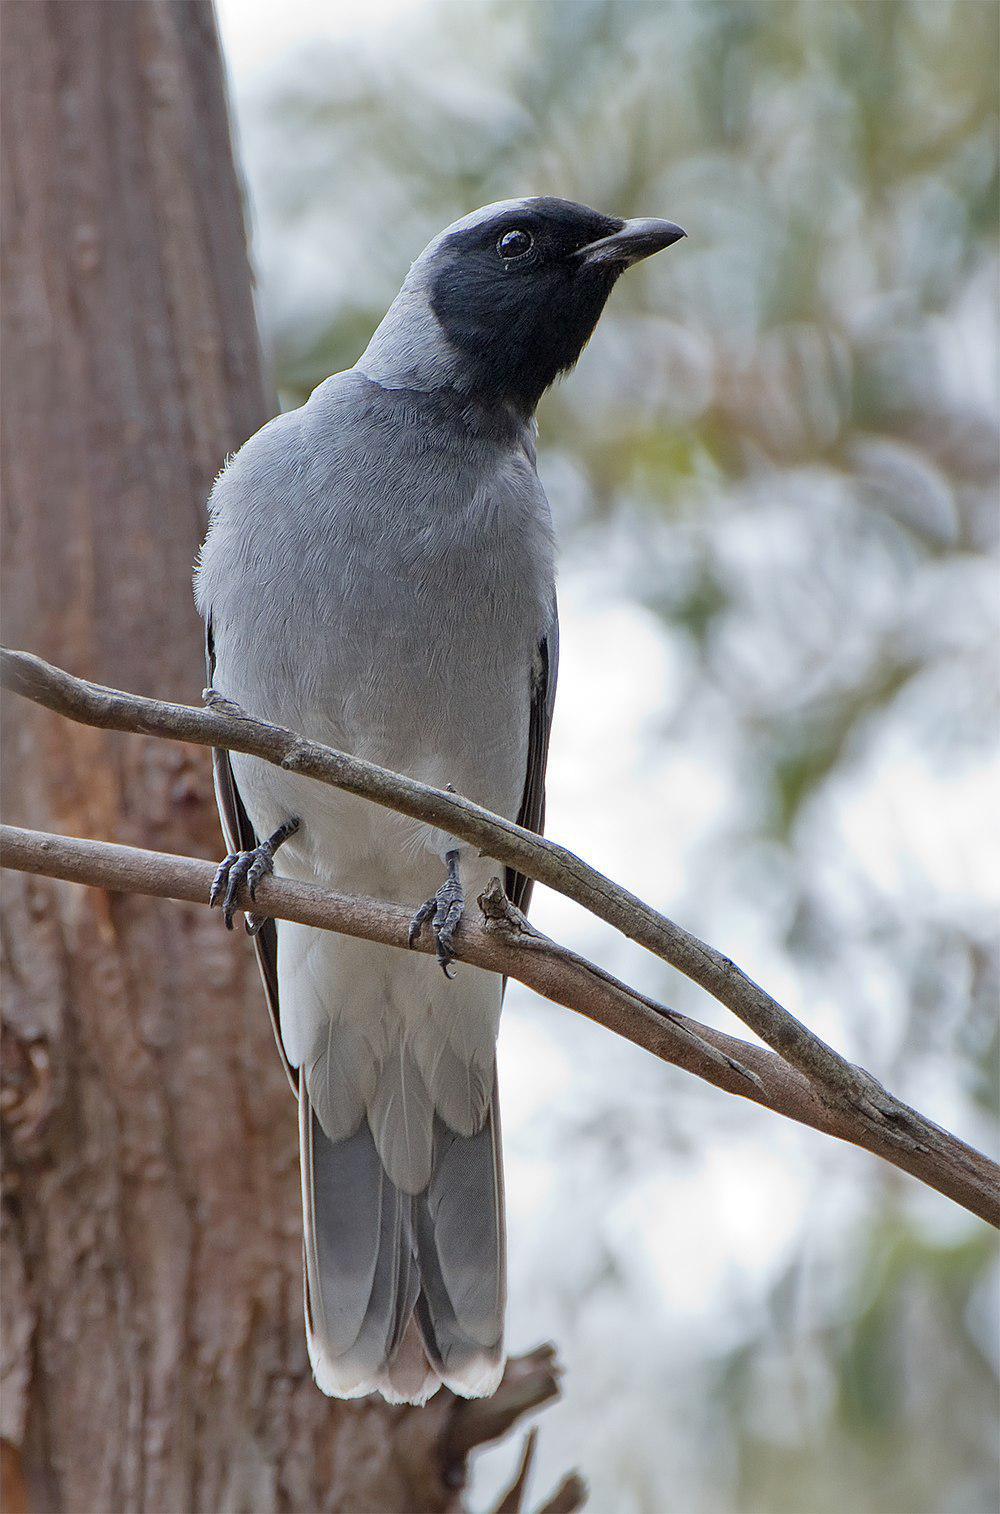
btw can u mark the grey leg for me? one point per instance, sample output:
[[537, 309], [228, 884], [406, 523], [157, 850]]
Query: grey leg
[[444, 910]]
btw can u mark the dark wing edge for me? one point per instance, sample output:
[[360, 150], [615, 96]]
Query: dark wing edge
[[543, 697], [241, 837]]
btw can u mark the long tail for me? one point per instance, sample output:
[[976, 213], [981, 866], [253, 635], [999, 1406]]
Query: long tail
[[403, 1291]]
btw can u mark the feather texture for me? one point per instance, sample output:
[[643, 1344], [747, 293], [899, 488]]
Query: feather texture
[[403, 1293], [379, 575]]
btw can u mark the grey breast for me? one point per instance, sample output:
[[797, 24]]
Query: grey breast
[[381, 568]]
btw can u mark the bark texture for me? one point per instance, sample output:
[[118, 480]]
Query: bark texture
[[153, 1351]]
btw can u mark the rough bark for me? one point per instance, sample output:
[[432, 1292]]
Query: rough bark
[[153, 1344]]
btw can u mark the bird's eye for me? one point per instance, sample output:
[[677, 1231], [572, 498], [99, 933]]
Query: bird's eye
[[514, 244]]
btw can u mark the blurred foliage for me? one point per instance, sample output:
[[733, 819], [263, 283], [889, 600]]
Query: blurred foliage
[[911, 1300], [783, 443]]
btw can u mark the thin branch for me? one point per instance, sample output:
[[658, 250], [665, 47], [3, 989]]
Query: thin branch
[[224, 724], [512, 1501], [505, 943], [570, 1496], [528, 1382]]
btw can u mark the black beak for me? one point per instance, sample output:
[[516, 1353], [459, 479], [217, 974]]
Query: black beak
[[636, 240]]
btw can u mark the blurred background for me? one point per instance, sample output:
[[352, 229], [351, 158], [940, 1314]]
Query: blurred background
[[774, 476]]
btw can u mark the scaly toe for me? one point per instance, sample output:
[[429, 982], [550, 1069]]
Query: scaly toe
[[219, 881], [423, 914], [237, 875], [445, 952], [447, 918], [445, 912], [263, 863]]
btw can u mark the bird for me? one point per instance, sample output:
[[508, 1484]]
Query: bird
[[379, 575]]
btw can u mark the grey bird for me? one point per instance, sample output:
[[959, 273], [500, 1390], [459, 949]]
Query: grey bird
[[379, 574]]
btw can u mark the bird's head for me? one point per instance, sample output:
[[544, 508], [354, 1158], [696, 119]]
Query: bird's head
[[505, 300]]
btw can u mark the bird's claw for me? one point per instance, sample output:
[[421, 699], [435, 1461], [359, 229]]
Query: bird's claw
[[423, 913], [236, 869], [444, 910], [247, 867]]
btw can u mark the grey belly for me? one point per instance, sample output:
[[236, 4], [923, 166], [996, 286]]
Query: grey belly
[[448, 707]]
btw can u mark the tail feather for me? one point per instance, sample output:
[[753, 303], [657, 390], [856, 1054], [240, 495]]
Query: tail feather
[[408, 1376], [461, 1251], [403, 1292], [401, 1118], [460, 1241], [360, 1280]]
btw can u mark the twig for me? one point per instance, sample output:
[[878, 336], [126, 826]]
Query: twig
[[504, 943], [570, 1495], [512, 1501], [528, 1382], [223, 724]]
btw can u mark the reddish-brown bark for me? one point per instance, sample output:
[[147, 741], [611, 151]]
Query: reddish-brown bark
[[153, 1346]]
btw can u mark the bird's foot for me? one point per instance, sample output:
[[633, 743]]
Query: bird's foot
[[249, 868], [444, 910]]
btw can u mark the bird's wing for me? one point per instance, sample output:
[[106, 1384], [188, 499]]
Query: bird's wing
[[543, 695], [241, 837]]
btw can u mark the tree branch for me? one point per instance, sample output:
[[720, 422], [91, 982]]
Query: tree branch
[[512, 1501], [224, 724], [528, 1382], [505, 943]]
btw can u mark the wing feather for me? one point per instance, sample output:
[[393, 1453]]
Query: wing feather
[[241, 837], [532, 812]]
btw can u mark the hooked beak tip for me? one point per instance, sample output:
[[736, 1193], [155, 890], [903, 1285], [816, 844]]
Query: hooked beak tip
[[637, 239]]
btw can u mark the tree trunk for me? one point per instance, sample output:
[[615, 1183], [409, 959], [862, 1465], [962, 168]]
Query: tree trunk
[[154, 1356]]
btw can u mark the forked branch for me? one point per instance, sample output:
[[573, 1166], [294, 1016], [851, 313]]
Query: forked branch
[[505, 943], [849, 1102]]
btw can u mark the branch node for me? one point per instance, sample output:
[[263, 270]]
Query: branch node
[[221, 704], [503, 916], [293, 760], [837, 1097]]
